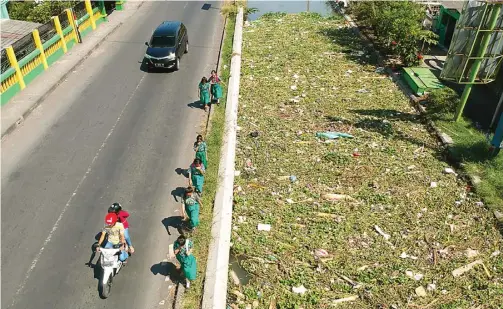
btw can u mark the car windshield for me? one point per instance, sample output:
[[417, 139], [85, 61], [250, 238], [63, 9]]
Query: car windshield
[[163, 41]]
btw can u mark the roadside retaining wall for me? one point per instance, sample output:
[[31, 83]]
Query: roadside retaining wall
[[217, 270]]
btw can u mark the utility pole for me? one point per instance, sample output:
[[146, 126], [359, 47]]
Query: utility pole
[[495, 11], [308, 6]]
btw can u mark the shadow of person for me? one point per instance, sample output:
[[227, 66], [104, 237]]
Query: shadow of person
[[166, 269], [178, 193], [175, 222], [182, 171], [196, 104]]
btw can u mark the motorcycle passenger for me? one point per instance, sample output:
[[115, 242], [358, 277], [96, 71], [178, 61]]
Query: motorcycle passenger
[[122, 215], [116, 239]]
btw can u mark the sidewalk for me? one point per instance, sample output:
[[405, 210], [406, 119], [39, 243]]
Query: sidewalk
[[19, 107]]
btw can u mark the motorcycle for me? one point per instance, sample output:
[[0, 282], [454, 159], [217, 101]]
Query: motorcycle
[[111, 265]]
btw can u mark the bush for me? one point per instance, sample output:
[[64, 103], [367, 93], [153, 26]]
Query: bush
[[397, 26], [39, 13], [443, 100], [231, 9]]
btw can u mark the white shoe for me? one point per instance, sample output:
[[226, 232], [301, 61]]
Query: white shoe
[[187, 284]]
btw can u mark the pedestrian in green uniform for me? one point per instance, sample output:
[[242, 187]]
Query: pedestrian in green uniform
[[201, 150], [196, 175], [204, 93], [216, 89], [190, 207], [183, 252]]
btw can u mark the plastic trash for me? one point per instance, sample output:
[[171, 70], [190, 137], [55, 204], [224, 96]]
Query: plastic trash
[[333, 135], [299, 289], [293, 178], [362, 90], [380, 231], [380, 70], [264, 227], [320, 253], [420, 291], [449, 171], [293, 87]]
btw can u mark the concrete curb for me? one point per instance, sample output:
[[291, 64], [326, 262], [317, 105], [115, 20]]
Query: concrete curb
[[23, 114], [216, 277], [444, 138]]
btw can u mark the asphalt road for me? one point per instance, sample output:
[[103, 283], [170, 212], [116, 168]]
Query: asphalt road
[[110, 132]]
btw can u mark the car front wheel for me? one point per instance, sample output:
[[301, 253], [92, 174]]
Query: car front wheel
[[177, 64]]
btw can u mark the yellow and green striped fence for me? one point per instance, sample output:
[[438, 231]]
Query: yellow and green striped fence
[[23, 71]]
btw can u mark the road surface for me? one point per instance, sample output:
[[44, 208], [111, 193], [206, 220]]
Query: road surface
[[110, 132]]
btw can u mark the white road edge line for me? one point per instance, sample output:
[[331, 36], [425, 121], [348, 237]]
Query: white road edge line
[[67, 205]]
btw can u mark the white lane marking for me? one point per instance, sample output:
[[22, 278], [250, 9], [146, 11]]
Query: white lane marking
[[67, 205], [185, 5]]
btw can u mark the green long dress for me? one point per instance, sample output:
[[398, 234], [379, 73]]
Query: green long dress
[[192, 209], [201, 153], [204, 93], [197, 178], [187, 261], [216, 89]]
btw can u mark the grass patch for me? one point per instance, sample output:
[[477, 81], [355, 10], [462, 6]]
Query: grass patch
[[202, 237], [303, 74], [471, 148]]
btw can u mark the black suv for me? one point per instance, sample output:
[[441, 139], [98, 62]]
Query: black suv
[[167, 45]]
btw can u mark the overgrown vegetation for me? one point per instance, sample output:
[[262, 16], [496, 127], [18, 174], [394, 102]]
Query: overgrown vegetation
[[37, 12], [380, 217], [471, 146], [202, 237], [231, 9], [397, 26], [443, 100]]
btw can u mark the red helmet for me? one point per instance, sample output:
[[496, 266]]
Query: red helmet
[[111, 219]]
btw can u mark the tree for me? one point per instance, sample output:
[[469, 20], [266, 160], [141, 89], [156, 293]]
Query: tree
[[40, 12], [397, 26]]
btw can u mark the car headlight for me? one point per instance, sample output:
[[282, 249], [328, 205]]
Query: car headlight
[[148, 56], [171, 56]]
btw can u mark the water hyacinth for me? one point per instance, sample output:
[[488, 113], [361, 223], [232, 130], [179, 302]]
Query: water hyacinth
[[333, 206]]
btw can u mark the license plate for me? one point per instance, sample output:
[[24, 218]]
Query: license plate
[[158, 65]]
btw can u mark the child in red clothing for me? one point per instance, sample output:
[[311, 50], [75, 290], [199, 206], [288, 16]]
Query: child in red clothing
[[122, 215]]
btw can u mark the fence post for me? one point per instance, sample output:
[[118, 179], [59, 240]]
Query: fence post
[[103, 10], [119, 5], [89, 10], [38, 43], [71, 21], [13, 63], [57, 25]]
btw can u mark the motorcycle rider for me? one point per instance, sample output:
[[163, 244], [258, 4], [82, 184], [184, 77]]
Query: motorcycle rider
[[115, 231], [122, 215]]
